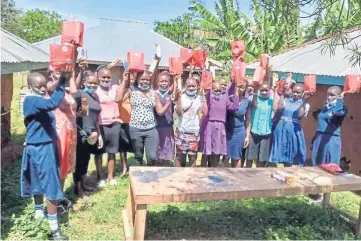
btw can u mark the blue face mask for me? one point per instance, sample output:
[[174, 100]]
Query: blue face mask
[[105, 84], [163, 89], [216, 95], [191, 92], [90, 91], [144, 86]]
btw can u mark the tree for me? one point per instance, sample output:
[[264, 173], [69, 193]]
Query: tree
[[180, 29], [330, 18], [39, 25], [10, 17], [269, 32]]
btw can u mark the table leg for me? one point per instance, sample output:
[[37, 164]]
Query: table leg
[[358, 223], [326, 199], [140, 221], [131, 206]]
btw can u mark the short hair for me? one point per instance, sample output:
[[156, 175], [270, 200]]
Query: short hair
[[87, 74], [164, 73], [31, 77], [336, 89]]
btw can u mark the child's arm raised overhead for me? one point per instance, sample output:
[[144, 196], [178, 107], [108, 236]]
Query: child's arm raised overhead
[[41, 104], [248, 127], [339, 109], [123, 90], [204, 108], [179, 108], [305, 107], [233, 105], [255, 96]]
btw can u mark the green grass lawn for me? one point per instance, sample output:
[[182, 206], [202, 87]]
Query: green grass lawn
[[99, 217]]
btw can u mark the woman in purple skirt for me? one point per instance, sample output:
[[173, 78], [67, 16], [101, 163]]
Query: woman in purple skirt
[[214, 141], [165, 150]]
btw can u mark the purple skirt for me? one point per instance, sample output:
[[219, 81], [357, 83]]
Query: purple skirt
[[214, 141], [165, 149]]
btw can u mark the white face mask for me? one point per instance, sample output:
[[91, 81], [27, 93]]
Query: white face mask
[[191, 92], [105, 84], [144, 86], [40, 94], [331, 102]]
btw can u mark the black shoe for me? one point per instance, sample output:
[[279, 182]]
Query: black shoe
[[57, 235]]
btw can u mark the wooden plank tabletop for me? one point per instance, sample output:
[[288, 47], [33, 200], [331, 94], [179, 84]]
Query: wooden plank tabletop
[[169, 184]]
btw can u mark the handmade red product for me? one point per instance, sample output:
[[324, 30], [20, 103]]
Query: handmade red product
[[352, 83], [259, 75], [263, 61], [135, 61], [238, 71], [309, 82], [175, 65], [62, 56], [281, 86], [238, 48], [72, 32], [199, 58], [331, 168], [185, 55], [207, 78]]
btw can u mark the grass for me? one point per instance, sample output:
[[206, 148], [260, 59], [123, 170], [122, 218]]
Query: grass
[[99, 217]]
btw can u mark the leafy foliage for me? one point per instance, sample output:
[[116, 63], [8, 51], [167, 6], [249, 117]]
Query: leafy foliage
[[40, 24], [33, 25], [180, 29]]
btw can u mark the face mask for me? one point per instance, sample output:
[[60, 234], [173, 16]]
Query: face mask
[[191, 92], [216, 95], [331, 102], [90, 91], [105, 84], [144, 86], [40, 94], [163, 89]]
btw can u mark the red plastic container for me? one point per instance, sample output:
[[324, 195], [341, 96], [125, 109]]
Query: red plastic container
[[259, 75], [238, 71], [175, 66], [207, 78], [263, 61], [352, 83], [309, 82], [72, 32], [199, 58], [135, 61], [238, 48], [185, 55], [62, 56]]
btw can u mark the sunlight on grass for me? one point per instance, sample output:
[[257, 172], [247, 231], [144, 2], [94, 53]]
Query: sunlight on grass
[[99, 217]]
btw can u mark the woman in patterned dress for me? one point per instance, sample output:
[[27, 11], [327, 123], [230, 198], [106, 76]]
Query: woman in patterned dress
[[144, 102]]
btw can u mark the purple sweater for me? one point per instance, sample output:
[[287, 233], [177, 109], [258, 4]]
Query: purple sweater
[[217, 109]]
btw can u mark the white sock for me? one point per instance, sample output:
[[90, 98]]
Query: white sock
[[39, 211], [53, 222]]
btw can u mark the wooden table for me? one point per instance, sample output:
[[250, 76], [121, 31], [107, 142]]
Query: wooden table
[[151, 185]]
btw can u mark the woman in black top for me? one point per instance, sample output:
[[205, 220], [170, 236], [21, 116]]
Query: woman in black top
[[89, 140]]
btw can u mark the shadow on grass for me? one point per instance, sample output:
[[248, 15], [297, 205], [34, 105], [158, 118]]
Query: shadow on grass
[[11, 201], [279, 218]]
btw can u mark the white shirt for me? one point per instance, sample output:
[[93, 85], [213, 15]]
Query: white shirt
[[189, 121]]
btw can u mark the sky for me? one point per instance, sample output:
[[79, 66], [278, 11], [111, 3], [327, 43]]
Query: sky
[[89, 11]]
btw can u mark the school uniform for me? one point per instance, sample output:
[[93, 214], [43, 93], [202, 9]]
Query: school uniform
[[165, 150], [236, 131], [326, 144], [288, 142], [214, 141], [40, 173], [85, 126], [261, 128]]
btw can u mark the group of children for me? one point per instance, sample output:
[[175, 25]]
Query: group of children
[[241, 122]]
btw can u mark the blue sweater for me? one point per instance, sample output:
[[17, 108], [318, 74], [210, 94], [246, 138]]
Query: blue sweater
[[39, 118], [330, 119]]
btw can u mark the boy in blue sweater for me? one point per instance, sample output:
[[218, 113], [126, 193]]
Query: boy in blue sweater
[[40, 169]]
